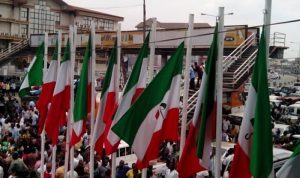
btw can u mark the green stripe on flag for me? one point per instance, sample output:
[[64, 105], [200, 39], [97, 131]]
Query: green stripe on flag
[[262, 147], [134, 77], [67, 53], [35, 72], [127, 127], [111, 62], [209, 92], [55, 52], [81, 99], [296, 151]]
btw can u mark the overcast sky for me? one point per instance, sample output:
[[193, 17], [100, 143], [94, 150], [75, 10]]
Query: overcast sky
[[249, 12]]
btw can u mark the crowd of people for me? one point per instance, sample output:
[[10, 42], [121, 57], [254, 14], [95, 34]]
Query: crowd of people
[[20, 148]]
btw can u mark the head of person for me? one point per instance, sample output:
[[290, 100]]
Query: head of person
[[15, 156], [121, 163], [48, 167], [134, 167]]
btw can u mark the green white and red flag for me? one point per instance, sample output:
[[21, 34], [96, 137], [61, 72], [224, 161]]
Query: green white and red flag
[[154, 116], [47, 89], [82, 105], [253, 155], [108, 102], [290, 168], [134, 87], [34, 76], [196, 153], [60, 102]]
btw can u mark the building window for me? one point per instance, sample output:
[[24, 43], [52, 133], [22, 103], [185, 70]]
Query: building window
[[24, 14], [41, 19], [24, 30]]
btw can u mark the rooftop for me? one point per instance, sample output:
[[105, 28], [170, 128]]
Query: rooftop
[[170, 25]]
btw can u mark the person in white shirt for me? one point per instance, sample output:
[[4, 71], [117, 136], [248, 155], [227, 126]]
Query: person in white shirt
[[226, 124], [171, 172], [34, 118]]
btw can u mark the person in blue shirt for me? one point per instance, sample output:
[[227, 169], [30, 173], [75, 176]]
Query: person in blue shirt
[[122, 170], [192, 78]]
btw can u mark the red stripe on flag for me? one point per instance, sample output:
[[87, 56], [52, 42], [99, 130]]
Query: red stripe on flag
[[189, 155], [60, 104], [109, 111], [89, 97], [240, 165], [137, 93], [42, 104], [169, 131], [110, 107], [76, 138]]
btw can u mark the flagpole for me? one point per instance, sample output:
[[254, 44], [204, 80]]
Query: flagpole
[[188, 44], [68, 134], [219, 91], [267, 22], [73, 55], [152, 48], [93, 60], [113, 155], [43, 132], [53, 168]]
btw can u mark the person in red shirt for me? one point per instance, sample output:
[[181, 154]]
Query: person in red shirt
[[47, 173]]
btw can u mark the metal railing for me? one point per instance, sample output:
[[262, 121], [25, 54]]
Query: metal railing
[[243, 68], [240, 72], [14, 49], [237, 52], [278, 39]]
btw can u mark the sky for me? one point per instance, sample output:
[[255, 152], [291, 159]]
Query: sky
[[246, 12]]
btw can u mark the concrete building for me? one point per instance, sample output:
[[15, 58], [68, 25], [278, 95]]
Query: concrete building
[[21, 18]]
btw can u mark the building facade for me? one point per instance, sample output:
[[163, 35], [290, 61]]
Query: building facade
[[21, 18]]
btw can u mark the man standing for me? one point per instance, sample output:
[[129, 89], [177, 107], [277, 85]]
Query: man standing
[[192, 78]]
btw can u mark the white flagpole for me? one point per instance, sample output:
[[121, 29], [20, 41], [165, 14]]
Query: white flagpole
[[219, 91], [93, 60], [43, 132], [188, 44], [152, 48], [69, 126], [53, 168], [113, 155], [267, 22], [151, 64], [73, 55]]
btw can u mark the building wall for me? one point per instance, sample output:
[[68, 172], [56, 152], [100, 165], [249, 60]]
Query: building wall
[[65, 19], [5, 11], [5, 27]]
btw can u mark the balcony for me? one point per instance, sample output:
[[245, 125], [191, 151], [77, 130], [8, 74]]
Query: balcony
[[15, 37], [12, 20]]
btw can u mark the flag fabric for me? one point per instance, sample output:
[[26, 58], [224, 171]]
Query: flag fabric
[[154, 116], [34, 76], [196, 153], [82, 105], [60, 102], [253, 155], [108, 102], [47, 89], [290, 169], [134, 87]]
